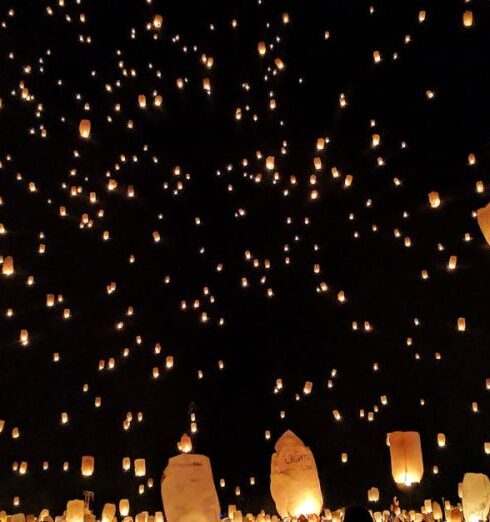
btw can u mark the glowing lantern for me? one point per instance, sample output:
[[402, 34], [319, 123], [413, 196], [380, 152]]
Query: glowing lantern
[[88, 464], [307, 387], [452, 263], [434, 199], [269, 163], [376, 56], [483, 217], [142, 101], [468, 18], [373, 494], [24, 337], [84, 128], [126, 464], [157, 21], [185, 444], [188, 490], [476, 497], [8, 266], [108, 513], [139, 467], [295, 486], [75, 510], [124, 507], [441, 440], [407, 466], [461, 324], [261, 48]]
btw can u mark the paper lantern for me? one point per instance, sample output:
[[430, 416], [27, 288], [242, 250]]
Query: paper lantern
[[468, 18], [483, 218], [307, 387], [108, 513], [124, 507], [441, 440], [434, 199], [139, 467], [126, 463], [295, 486], [185, 444], [157, 21], [88, 464], [373, 494], [376, 56], [269, 163], [24, 337], [407, 466], [8, 266], [461, 324], [261, 48], [437, 511], [476, 497], [84, 128], [75, 510], [142, 101], [188, 490]]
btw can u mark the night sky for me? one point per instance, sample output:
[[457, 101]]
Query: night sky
[[245, 278]]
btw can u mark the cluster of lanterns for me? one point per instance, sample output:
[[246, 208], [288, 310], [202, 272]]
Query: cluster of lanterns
[[87, 201]]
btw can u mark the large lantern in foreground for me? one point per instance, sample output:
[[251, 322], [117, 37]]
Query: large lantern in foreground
[[188, 490], [407, 465], [483, 217], [476, 497], [295, 486]]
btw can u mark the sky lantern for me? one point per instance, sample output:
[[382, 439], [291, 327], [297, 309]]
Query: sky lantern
[[108, 513], [468, 18], [185, 444], [373, 495], [483, 217], [261, 47], [295, 486], [434, 199], [142, 101], [84, 128], [75, 510], [475, 493], [139, 467], [88, 464], [407, 466], [124, 507], [188, 490], [157, 21], [8, 266]]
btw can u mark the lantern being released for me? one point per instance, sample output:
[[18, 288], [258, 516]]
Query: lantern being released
[[407, 466], [188, 490], [295, 486], [476, 497]]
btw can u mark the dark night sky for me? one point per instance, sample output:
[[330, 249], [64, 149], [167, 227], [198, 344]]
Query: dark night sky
[[298, 334]]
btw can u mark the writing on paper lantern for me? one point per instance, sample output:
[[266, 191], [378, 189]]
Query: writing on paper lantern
[[295, 486]]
